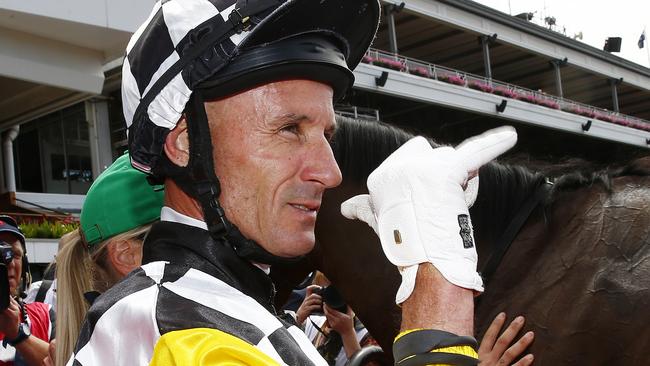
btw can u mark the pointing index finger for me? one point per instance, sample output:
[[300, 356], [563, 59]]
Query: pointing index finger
[[478, 150]]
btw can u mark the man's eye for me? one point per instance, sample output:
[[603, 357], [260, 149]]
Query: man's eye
[[292, 128]]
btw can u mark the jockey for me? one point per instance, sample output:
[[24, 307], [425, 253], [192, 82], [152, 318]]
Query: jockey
[[242, 91], [230, 105]]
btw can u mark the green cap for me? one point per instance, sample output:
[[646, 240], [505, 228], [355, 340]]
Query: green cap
[[121, 199]]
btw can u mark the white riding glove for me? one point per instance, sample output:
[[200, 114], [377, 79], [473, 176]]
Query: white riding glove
[[418, 207]]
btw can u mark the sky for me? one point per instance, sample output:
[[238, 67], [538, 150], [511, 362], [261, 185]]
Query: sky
[[596, 19]]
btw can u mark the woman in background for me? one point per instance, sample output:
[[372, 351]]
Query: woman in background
[[117, 214]]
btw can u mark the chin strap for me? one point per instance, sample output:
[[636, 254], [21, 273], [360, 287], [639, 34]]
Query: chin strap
[[246, 248], [199, 181]]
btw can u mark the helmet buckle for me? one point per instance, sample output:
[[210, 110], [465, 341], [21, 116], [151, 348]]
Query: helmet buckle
[[239, 22]]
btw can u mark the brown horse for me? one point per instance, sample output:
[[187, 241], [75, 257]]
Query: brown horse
[[579, 268]]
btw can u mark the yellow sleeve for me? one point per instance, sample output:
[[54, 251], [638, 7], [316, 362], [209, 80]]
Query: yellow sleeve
[[461, 350], [203, 347]]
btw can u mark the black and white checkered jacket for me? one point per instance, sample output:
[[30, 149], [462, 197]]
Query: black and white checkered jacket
[[194, 299]]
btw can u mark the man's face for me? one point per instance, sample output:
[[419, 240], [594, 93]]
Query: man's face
[[274, 161], [15, 268]]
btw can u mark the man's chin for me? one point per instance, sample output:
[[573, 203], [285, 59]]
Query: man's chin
[[295, 247]]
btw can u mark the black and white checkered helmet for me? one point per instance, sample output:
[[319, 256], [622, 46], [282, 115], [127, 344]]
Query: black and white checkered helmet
[[185, 42]]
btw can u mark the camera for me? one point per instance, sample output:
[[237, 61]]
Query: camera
[[6, 256], [332, 298]]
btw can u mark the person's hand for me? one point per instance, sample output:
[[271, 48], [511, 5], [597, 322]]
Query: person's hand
[[10, 319], [343, 323], [419, 209], [310, 304], [495, 349], [49, 360]]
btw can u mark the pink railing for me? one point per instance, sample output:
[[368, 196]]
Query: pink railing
[[451, 76]]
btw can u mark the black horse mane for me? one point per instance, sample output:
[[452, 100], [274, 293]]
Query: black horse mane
[[379, 140], [358, 160], [574, 174]]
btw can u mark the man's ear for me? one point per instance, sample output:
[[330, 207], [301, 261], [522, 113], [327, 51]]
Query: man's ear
[[125, 255], [177, 144]]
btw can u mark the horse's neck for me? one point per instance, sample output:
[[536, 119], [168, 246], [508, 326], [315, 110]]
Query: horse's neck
[[502, 192]]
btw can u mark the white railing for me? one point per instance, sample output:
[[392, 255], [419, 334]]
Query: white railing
[[460, 78], [357, 112]]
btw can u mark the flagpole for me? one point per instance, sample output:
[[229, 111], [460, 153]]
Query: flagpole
[[645, 44], [647, 48]]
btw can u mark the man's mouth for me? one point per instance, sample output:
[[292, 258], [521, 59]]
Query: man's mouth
[[306, 207]]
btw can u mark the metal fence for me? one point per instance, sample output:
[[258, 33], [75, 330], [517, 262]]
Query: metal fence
[[460, 78], [357, 112]]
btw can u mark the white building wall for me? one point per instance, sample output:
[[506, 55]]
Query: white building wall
[[124, 15], [43, 61], [65, 43]]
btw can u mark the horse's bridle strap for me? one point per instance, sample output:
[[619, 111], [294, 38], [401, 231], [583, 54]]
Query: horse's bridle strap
[[508, 236]]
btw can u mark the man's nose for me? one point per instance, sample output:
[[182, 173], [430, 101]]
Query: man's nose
[[322, 166]]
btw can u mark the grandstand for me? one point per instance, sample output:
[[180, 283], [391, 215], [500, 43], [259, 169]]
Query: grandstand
[[451, 68]]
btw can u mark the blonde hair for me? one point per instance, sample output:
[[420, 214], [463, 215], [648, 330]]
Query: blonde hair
[[80, 270]]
